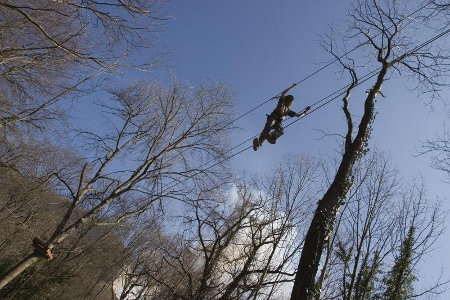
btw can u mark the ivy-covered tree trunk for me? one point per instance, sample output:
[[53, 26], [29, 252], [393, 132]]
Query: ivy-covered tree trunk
[[393, 39], [325, 215]]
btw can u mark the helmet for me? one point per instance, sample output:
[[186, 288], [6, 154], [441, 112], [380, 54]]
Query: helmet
[[289, 98]]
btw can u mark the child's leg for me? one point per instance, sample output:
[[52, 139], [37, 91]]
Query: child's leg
[[266, 131]]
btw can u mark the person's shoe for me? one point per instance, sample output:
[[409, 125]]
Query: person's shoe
[[256, 144], [271, 139]]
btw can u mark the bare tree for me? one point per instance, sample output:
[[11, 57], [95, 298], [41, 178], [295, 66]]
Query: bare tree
[[440, 150], [231, 246], [385, 228], [388, 34], [143, 238], [29, 210], [53, 48], [158, 140]]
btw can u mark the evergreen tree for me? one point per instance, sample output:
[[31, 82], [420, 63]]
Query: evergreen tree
[[399, 281]]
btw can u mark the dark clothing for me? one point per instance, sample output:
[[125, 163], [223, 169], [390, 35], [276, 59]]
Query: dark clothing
[[275, 118], [273, 122]]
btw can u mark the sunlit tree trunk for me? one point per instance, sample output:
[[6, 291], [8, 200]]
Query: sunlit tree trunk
[[20, 267]]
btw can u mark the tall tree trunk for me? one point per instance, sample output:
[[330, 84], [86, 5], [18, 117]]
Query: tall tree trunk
[[20, 267], [36, 255], [325, 215]]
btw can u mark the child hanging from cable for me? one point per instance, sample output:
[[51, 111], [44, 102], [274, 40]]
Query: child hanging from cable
[[274, 120]]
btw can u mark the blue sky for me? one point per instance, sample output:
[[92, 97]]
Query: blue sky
[[262, 47]]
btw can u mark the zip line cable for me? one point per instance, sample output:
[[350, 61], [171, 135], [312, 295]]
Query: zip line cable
[[331, 62], [368, 76], [339, 93], [302, 80]]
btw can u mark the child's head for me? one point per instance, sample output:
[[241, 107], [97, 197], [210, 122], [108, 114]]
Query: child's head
[[289, 99]]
